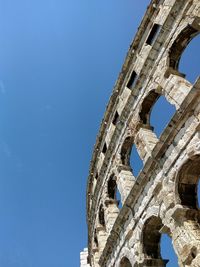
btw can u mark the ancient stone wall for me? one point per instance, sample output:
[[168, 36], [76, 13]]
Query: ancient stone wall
[[163, 197]]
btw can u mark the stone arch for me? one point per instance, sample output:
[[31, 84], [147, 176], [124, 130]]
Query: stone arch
[[131, 154], [126, 256], [112, 190], [147, 105], [151, 237], [181, 42], [187, 182], [126, 151], [125, 262]]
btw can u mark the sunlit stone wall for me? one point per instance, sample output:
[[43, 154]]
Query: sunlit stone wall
[[163, 197]]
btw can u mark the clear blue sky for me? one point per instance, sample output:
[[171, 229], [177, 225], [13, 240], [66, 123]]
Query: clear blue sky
[[58, 63]]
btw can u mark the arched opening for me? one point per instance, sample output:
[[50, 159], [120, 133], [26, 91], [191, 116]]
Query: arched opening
[[136, 162], [113, 192], [155, 245], [126, 151], [151, 237], [147, 105], [156, 112], [189, 61], [167, 251], [101, 216], [125, 262], [188, 183], [161, 114], [130, 156], [180, 44]]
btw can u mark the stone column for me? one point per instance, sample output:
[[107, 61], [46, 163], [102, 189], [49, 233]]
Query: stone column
[[111, 213], [101, 237], [96, 258], [175, 89], [125, 181], [145, 141], [186, 236]]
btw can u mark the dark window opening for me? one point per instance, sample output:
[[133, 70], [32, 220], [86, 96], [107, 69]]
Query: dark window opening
[[153, 34], [115, 119], [132, 80], [188, 183], [135, 161], [161, 115], [104, 148], [95, 239], [112, 188], [101, 215]]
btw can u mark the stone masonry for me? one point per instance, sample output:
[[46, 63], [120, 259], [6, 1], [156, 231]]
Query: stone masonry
[[163, 197]]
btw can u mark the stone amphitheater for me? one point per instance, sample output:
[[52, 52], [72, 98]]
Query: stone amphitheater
[[162, 199]]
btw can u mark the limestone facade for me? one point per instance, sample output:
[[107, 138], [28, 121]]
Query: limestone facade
[[163, 197]]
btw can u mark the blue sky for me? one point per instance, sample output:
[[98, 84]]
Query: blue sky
[[58, 63]]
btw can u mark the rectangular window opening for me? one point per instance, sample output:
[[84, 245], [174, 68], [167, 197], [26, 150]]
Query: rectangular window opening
[[115, 119], [153, 34], [132, 80], [104, 148]]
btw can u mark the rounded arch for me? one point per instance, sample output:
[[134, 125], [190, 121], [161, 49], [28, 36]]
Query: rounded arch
[[187, 182], [113, 191], [126, 255], [147, 106], [181, 42], [126, 151], [151, 237], [152, 113], [125, 262], [152, 240], [130, 156]]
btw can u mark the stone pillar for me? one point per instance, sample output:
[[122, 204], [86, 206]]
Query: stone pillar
[[96, 258], [175, 89], [145, 141], [125, 181], [186, 237], [111, 213], [101, 237]]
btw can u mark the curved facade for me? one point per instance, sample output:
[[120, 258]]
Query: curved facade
[[163, 197]]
